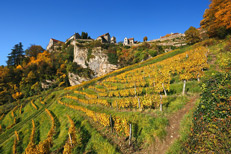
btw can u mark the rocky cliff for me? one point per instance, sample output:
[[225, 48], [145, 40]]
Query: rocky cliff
[[95, 59]]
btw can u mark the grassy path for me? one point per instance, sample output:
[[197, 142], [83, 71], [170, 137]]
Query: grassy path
[[161, 147]]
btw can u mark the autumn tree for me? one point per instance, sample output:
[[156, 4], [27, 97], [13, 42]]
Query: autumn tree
[[145, 38], [34, 50], [217, 19], [192, 35], [5, 88]]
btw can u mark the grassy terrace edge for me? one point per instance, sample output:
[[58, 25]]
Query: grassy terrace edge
[[134, 66]]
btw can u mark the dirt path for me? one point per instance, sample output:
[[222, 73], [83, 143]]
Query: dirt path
[[161, 147]]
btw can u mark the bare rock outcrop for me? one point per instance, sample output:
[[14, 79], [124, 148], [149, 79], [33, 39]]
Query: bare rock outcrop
[[96, 60]]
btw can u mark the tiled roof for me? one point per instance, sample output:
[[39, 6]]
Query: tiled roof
[[56, 40], [104, 35]]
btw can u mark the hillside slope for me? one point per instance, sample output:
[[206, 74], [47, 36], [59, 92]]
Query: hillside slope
[[125, 111]]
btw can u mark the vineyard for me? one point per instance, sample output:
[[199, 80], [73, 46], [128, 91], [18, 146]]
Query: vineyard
[[125, 111]]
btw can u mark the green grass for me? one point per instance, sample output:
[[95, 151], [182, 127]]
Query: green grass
[[26, 132], [191, 87], [8, 146], [27, 111], [175, 103], [38, 103], [90, 91], [96, 142], [7, 120], [27, 119], [61, 112], [44, 125]]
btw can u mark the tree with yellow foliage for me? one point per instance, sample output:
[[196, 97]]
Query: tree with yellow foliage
[[217, 19]]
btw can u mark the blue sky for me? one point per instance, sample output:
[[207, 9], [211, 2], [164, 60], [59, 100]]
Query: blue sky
[[36, 21]]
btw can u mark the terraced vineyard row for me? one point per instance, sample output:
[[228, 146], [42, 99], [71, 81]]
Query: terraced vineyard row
[[119, 124]]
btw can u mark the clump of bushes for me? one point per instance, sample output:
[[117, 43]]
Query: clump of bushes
[[211, 130]]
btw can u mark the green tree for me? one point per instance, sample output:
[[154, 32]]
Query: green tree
[[16, 56], [34, 50], [12, 58], [84, 35], [192, 35]]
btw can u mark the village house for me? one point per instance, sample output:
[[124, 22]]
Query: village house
[[129, 41], [54, 45], [105, 38]]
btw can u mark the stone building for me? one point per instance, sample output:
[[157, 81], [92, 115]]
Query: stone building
[[73, 37], [113, 39], [77, 38], [105, 38], [129, 41], [54, 44]]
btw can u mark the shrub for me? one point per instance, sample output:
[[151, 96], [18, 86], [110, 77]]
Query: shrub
[[112, 58], [153, 53], [211, 131], [89, 53], [208, 42]]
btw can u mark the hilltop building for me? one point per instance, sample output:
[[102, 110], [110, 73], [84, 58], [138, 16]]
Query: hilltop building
[[54, 44], [113, 39], [129, 41], [105, 38], [172, 36], [77, 38], [73, 37]]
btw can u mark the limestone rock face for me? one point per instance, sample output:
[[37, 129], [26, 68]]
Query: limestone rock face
[[98, 63], [80, 56], [74, 79]]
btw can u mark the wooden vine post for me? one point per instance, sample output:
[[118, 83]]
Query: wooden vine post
[[165, 93], [130, 134], [139, 103], [184, 87], [161, 103], [136, 96], [70, 138]]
